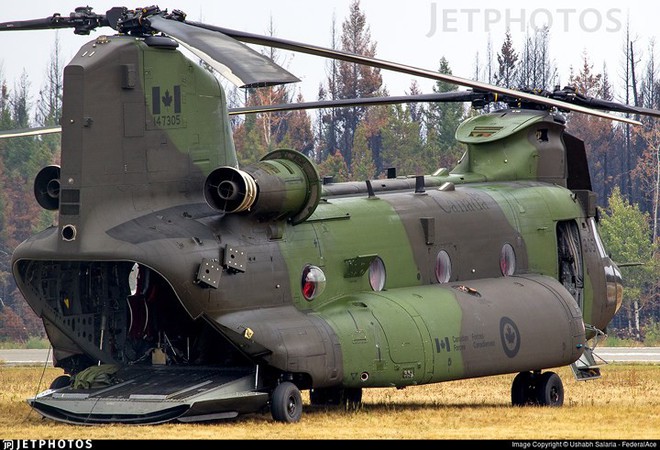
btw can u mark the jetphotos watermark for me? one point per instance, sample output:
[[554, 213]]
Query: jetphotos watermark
[[591, 20]]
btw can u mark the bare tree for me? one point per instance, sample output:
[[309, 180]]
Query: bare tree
[[49, 104], [537, 71]]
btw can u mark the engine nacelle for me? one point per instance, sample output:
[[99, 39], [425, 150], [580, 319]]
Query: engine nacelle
[[47, 187], [283, 185]]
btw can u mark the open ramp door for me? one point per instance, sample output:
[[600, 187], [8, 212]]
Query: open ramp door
[[149, 395]]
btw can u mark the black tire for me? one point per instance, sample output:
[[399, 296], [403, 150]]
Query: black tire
[[61, 382], [523, 389], [286, 403], [550, 390]]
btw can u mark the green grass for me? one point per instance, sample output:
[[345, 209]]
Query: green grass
[[613, 341], [33, 342]]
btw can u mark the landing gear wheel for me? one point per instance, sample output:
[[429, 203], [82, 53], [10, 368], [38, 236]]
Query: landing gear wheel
[[286, 403], [537, 389], [61, 382], [550, 390], [523, 389]]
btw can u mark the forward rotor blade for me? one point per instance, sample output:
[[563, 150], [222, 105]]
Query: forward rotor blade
[[234, 60], [460, 96], [29, 132], [618, 107], [402, 68]]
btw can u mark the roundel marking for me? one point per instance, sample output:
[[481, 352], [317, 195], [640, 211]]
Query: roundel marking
[[510, 337]]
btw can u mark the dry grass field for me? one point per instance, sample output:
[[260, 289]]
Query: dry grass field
[[623, 404]]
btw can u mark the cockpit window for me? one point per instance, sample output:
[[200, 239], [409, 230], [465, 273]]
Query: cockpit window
[[599, 243]]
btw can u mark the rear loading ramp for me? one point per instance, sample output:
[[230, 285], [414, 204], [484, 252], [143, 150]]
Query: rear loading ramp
[[150, 395]]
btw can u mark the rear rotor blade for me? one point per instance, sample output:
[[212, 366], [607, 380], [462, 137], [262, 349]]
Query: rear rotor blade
[[402, 68], [461, 96], [234, 60], [29, 132]]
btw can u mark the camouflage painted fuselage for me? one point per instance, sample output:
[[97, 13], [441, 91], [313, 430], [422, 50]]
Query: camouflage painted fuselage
[[142, 130]]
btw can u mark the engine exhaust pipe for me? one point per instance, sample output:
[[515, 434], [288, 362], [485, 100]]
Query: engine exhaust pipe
[[47, 187], [283, 185]]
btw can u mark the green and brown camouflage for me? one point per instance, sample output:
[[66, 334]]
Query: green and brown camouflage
[[212, 286]]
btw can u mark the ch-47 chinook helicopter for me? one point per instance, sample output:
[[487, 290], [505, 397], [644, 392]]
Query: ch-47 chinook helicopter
[[177, 285]]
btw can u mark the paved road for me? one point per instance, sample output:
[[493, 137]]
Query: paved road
[[629, 354], [25, 357], [609, 354]]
